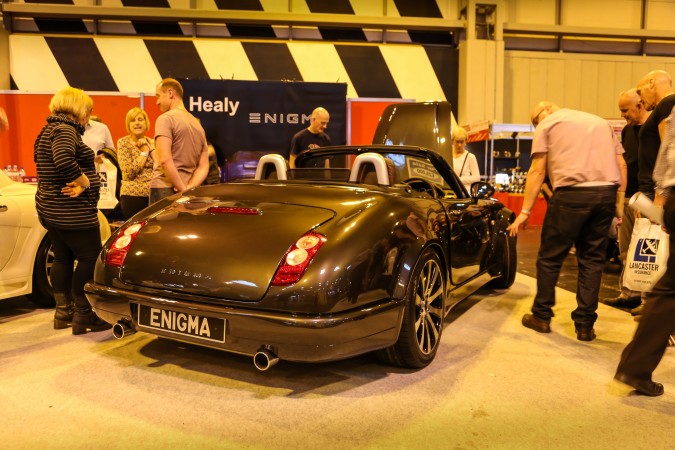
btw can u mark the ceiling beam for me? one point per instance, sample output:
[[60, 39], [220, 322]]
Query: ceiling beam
[[46, 11], [576, 31]]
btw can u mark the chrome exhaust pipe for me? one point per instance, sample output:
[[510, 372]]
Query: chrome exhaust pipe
[[122, 328], [264, 359]]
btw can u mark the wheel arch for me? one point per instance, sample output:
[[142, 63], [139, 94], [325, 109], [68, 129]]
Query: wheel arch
[[503, 219], [405, 352], [41, 293], [408, 262]]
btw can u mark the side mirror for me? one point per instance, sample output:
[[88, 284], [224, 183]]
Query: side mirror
[[480, 190]]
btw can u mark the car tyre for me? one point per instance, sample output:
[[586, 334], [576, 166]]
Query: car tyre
[[43, 294], [422, 324], [507, 258]]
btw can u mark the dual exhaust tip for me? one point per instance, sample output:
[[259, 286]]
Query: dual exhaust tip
[[122, 328], [263, 359]]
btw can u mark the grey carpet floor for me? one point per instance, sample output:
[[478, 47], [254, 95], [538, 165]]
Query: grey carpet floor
[[494, 384]]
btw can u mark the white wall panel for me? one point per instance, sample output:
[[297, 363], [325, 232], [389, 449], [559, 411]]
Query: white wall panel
[[32, 63], [130, 64], [602, 13], [540, 88], [449, 8], [587, 82], [516, 82], [481, 75], [412, 72], [225, 59], [274, 6], [299, 6], [320, 62], [538, 12], [589, 87], [368, 7], [623, 71], [607, 86], [179, 4], [594, 13], [573, 80], [556, 80], [660, 15]]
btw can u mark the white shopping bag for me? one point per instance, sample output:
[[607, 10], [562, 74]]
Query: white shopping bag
[[647, 256], [107, 172]]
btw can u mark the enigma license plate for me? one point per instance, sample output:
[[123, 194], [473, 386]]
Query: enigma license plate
[[184, 324]]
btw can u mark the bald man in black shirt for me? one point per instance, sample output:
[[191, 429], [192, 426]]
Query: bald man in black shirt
[[311, 137]]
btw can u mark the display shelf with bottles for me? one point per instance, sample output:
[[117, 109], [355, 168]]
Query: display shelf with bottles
[[513, 183], [510, 146], [500, 148]]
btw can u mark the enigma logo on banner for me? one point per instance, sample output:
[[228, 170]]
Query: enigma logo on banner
[[226, 105], [279, 118]]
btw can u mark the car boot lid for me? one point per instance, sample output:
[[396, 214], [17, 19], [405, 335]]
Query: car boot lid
[[217, 248]]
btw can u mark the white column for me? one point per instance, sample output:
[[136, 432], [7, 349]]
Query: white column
[[481, 69]]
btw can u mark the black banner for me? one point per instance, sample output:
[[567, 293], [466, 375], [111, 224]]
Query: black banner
[[247, 119]]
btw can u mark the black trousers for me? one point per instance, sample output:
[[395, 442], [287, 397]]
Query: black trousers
[[70, 245], [131, 204], [644, 352], [579, 216]]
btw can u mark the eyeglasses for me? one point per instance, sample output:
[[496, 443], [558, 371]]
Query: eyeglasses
[[535, 119]]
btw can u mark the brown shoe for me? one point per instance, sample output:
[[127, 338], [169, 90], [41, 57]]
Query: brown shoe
[[644, 387], [585, 334], [535, 324]]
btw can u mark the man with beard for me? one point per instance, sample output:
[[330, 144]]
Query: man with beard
[[634, 112]]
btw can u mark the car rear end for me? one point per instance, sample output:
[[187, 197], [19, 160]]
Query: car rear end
[[255, 274]]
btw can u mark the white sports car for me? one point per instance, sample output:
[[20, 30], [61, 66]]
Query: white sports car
[[25, 250]]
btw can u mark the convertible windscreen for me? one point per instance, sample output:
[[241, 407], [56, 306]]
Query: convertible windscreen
[[338, 168]]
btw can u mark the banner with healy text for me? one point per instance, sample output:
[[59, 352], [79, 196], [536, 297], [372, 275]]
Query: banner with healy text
[[244, 120]]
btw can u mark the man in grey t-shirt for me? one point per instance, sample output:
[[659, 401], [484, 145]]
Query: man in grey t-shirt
[[181, 152]]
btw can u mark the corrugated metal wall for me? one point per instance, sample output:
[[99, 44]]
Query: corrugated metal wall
[[587, 82]]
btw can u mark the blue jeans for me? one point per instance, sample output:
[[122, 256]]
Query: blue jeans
[[579, 216]]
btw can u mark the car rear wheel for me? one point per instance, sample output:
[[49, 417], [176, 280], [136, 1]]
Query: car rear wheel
[[43, 294], [506, 256], [422, 325]]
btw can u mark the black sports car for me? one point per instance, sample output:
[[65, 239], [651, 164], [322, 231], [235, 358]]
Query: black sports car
[[356, 249]]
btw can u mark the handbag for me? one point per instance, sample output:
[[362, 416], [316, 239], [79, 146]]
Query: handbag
[[647, 256]]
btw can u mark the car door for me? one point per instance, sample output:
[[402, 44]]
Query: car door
[[469, 237]]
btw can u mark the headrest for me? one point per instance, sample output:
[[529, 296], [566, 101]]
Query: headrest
[[277, 162], [377, 161]]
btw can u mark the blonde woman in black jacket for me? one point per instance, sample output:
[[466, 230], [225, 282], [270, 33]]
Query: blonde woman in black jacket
[[68, 191]]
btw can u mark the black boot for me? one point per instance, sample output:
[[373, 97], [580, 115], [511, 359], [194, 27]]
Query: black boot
[[63, 315], [85, 319]]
